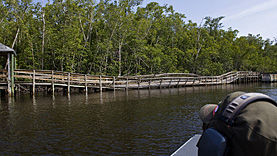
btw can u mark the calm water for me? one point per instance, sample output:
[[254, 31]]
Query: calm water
[[137, 122]]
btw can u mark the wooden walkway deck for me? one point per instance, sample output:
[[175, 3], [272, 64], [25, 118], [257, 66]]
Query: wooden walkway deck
[[53, 79]]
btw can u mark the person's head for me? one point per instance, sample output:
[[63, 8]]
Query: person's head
[[210, 111]]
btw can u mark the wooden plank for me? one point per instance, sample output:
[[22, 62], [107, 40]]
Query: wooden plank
[[3, 70], [23, 76], [3, 87], [3, 76]]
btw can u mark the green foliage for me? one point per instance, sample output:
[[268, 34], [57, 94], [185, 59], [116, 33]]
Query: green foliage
[[124, 38]]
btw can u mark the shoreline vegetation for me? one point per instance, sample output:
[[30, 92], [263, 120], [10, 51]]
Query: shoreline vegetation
[[122, 38]]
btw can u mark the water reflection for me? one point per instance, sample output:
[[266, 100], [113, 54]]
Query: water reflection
[[136, 122], [34, 104]]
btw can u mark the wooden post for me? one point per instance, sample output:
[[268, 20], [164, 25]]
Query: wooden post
[[235, 77], [34, 81], [161, 83], [170, 83], [239, 78], [186, 81], [249, 77], [243, 78], [139, 82], [68, 83], [100, 83], [52, 83], [127, 83], [86, 84], [12, 75], [149, 87], [178, 82], [113, 83], [9, 75]]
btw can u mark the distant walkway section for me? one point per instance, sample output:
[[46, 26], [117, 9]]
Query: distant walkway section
[[29, 80]]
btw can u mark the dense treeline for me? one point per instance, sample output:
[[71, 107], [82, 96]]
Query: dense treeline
[[123, 38]]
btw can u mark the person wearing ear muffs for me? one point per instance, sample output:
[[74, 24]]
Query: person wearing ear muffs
[[243, 124]]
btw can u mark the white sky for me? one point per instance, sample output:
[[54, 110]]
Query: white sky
[[247, 16]]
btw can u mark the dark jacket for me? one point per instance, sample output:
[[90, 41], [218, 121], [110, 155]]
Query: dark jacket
[[254, 132]]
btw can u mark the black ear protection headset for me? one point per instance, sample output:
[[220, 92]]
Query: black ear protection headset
[[213, 143]]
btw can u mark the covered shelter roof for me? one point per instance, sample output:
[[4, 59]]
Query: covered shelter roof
[[4, 50]]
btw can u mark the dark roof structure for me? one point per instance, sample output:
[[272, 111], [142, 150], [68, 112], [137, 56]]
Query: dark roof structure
[[4, 50]]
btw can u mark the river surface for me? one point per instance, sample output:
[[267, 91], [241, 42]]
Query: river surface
[[134, 122]]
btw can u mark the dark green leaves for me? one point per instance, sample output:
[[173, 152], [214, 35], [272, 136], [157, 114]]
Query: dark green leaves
[[123, 38]]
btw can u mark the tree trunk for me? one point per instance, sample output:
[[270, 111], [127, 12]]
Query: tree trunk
[[15, 38], [43, 34], [119, 58]]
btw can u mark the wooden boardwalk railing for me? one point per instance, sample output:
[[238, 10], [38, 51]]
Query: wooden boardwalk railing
[[53, 79]]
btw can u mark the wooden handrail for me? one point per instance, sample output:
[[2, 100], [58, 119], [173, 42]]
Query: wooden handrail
[[146, 81]]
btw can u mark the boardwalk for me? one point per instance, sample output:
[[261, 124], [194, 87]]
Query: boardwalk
[[55, 79]]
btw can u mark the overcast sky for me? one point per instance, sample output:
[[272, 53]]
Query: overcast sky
[[247, 16]]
